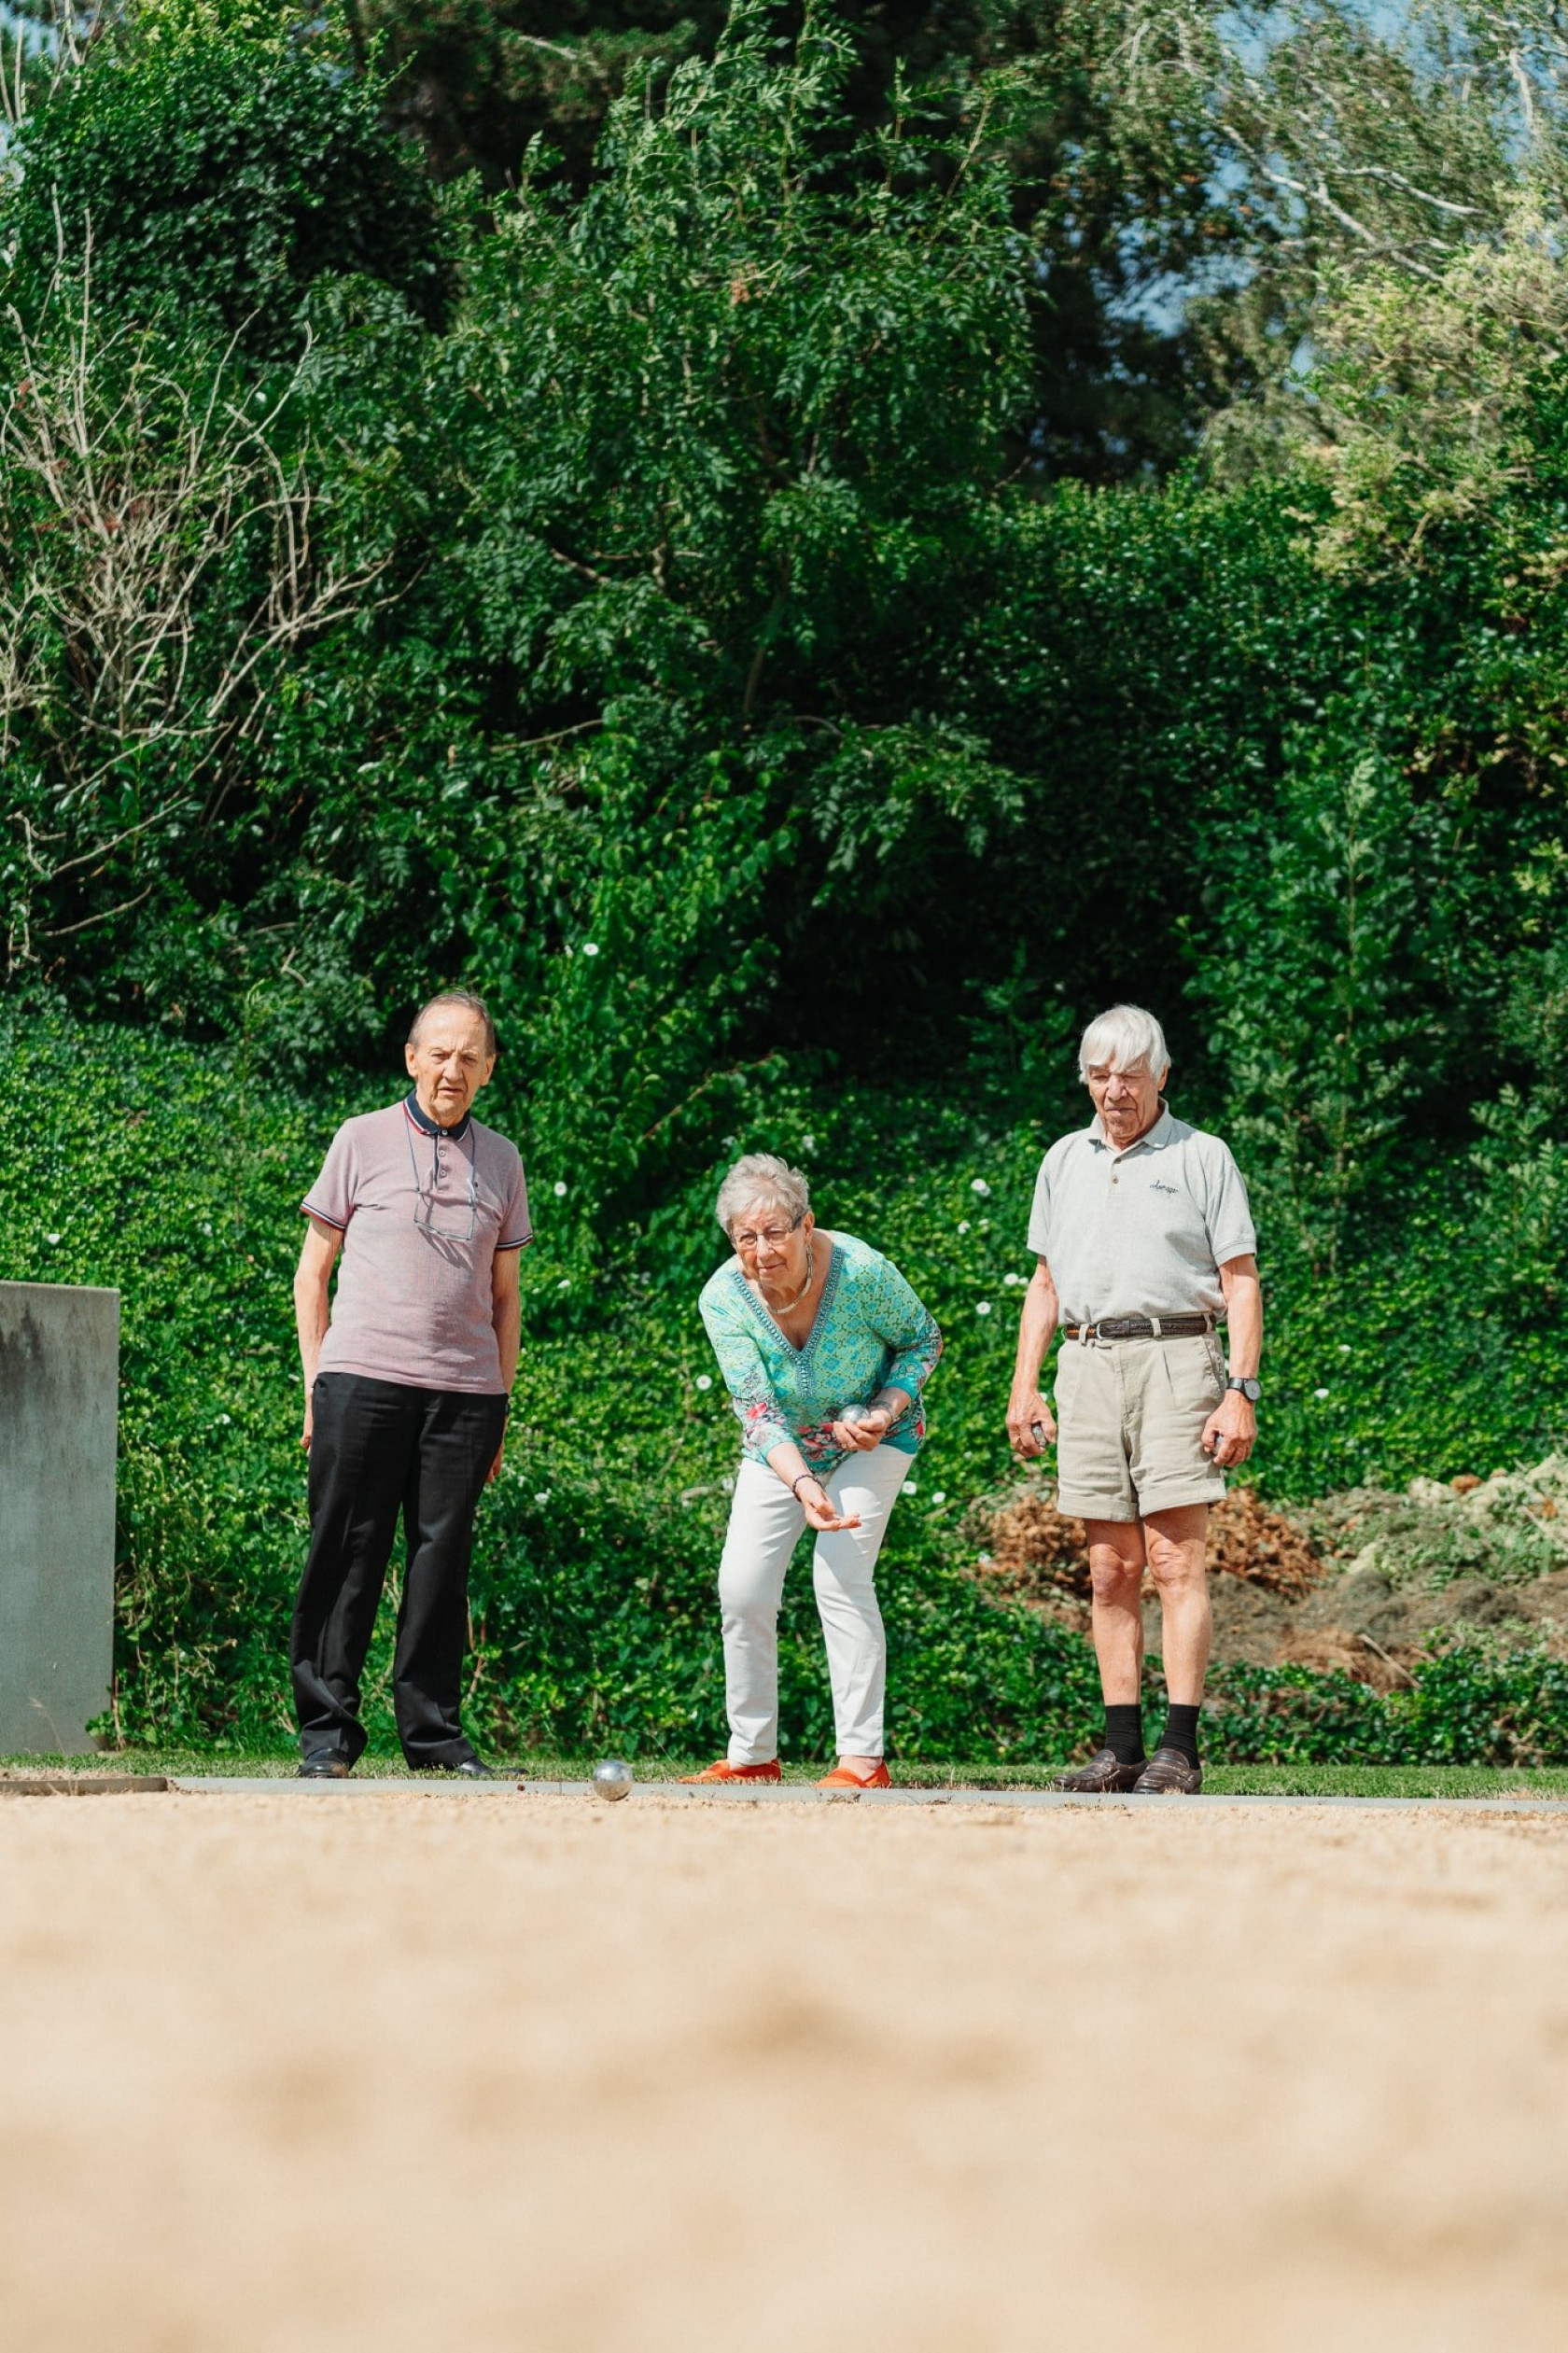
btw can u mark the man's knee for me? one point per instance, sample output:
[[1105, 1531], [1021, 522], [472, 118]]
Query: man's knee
[[1114, 1580], [1177, 1564]]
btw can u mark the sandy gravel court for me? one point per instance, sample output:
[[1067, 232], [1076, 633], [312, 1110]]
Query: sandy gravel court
[[478, 2070]]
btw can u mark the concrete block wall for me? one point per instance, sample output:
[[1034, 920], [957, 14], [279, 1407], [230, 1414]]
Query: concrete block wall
[[59, 1418]]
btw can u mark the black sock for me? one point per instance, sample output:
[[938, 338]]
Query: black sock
[[1123, 1733], [1180, 1732]]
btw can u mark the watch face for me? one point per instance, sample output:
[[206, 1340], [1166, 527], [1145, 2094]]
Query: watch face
[[1252, 1390]]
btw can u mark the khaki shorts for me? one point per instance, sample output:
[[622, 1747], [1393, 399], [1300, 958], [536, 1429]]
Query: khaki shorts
[[1130, 1414]]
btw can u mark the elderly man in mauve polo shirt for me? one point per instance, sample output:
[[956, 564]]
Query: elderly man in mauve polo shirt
[[1143, 1243], [407, 1377]]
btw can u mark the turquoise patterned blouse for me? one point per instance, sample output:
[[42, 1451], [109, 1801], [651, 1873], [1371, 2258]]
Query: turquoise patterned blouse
[[871, 1333]]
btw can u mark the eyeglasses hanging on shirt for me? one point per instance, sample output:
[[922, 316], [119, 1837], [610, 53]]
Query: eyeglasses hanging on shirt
[[430, 1214]]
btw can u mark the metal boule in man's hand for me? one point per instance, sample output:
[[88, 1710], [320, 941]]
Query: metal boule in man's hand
[[612, 1779], [1037, 1432]]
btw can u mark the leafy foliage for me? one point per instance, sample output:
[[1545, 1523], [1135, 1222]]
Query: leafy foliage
[[210, 159], [656, 631]]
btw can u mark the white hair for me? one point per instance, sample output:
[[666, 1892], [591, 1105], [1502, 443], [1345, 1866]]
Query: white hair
[[762, 1177], [1125, 1039]]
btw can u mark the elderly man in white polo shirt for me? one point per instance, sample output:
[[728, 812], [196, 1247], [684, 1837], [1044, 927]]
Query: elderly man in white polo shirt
[[1143, 1243]]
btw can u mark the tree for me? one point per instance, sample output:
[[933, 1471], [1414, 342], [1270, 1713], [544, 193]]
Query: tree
[[219, 161]]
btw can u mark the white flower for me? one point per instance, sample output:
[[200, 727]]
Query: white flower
[[911, 1485], [225, 1416], [542, 1497], [982, 1306], [565, 1284], [705, 1380], [964, 1225], [1011, 1280], [52, 1237], [808, 1143], [590, 947], [940, 1496], [1320, 1393], [1344, 1347], [978, 1184], [559, 1190]]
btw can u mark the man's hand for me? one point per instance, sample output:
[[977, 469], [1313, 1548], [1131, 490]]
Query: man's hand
[[1027, 1416], [312, 1284], [493, 1474], [1230, 1433]]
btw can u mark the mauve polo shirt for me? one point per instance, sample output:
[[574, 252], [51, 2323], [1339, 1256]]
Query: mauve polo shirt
[[422, 1210]]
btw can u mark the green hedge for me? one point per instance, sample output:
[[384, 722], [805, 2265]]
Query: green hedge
[[173, 1174]]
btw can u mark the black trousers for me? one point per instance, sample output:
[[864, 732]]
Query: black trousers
[[376, 1449]]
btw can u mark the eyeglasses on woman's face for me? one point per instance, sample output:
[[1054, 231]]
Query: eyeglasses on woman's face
[[772, 1236]]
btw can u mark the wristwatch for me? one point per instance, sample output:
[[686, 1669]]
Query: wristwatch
[[1252, 1390]]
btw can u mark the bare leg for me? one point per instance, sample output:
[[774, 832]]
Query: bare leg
[[1117, 1572], [1177, 1542]]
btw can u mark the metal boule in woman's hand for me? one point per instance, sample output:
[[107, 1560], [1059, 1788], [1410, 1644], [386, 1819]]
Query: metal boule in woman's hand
[[851, 1415]]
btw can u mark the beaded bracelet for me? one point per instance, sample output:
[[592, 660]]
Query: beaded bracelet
[[794, 1483]]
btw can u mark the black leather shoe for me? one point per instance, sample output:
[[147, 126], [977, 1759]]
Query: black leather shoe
[[471, 1769], [1101, 1777], [1170, 1774], [324, 1768]]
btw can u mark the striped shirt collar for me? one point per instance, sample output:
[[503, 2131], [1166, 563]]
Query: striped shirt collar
[[428, 1127]]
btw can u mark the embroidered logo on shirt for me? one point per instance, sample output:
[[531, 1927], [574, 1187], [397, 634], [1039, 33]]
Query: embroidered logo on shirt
[[1156, 1186]]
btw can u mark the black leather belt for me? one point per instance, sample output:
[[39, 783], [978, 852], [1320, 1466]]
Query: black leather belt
[[1140, 1327]]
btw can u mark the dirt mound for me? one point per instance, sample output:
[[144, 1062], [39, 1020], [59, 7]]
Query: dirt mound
[[1036, 1554], [1511, 1528], [1358, 1584], [1247, 1540]]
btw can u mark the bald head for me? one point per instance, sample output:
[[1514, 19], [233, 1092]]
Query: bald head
[[469, 1002], [449, 1054]]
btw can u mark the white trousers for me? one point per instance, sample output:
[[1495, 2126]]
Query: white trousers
[[765, 1523]]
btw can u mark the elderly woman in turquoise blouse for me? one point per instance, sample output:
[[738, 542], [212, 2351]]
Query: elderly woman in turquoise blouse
[[825, 1349]]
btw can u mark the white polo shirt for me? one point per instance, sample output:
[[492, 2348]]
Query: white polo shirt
[[1143, 1231]]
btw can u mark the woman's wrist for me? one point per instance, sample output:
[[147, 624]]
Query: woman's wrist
[[796, 1484]]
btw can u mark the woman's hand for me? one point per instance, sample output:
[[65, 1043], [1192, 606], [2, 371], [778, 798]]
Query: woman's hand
[[818, 1506], [867, 1430]]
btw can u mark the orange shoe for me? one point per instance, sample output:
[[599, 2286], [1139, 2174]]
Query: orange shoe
[[842, 1778], [722, 1770]]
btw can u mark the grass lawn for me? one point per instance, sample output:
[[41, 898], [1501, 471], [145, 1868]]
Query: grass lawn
[[1300, 1780]]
